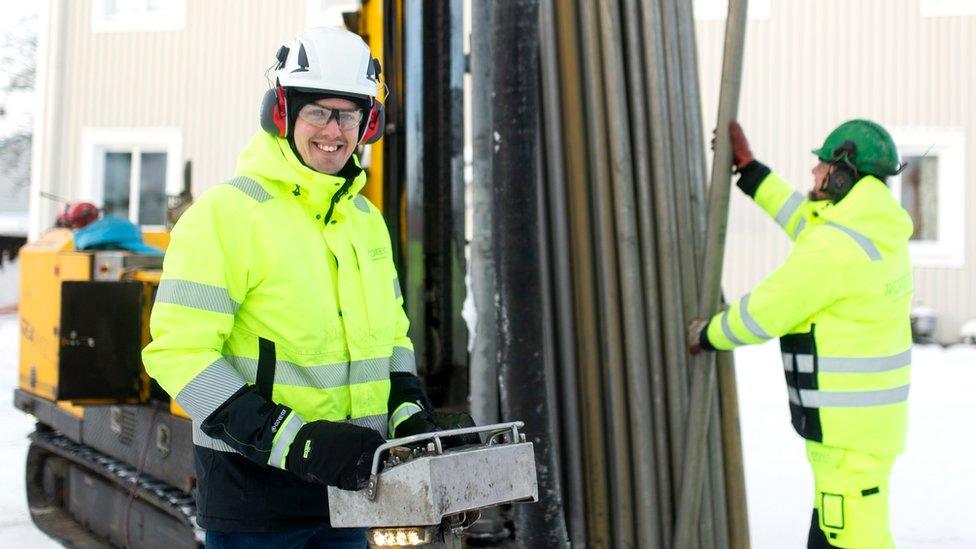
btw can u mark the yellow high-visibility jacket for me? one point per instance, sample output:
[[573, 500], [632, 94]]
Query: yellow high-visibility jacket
[[840, 305], [282, 278]]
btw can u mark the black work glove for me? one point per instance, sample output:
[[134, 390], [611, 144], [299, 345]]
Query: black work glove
[[335, 454], [427, 422]]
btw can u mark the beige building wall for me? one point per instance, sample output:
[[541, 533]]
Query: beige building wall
[[809, 65], [812, 64], [204, 81]]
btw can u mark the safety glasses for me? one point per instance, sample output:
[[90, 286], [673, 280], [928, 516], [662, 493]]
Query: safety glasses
[[320, 116]]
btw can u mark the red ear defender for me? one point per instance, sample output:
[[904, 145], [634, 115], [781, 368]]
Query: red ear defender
[[375, 124], [274, 112], [281, 112]]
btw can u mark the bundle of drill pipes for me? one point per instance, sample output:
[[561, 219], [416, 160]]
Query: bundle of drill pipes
[[595, 168]]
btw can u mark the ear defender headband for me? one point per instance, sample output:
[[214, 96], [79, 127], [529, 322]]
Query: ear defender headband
[[274, 106], [375, 125], [275, 117], [844, 174]]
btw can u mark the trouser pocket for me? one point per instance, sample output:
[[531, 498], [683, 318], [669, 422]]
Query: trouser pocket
[[852, 499], [853, 519]]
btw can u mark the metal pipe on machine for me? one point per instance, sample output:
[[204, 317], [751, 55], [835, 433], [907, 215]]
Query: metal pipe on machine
[[483, 367], [514, 29]]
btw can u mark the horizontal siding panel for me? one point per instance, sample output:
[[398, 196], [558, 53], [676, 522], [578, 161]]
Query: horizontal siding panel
[[206, 79]]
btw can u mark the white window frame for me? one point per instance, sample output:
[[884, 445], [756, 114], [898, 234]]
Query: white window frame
[[942, 8], [98, 141], [719, 9], [949, 146], [173, 20], [318, 16]]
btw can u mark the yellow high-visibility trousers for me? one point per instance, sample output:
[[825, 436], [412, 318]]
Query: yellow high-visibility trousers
[[851, 496]]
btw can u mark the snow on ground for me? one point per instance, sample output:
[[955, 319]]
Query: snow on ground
[[933, 487], [16, 528], [9, 285]]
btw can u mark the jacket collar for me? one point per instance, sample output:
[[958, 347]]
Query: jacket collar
[[272, 160], [871, 209]]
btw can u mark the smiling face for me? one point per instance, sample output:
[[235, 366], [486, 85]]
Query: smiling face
[[326, 149]]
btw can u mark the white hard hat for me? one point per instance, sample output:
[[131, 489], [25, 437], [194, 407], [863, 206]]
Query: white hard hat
[[327, 59]]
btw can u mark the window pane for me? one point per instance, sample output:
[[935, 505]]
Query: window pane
[[117, 7], [152, 189], [118, 169], [920, 195]]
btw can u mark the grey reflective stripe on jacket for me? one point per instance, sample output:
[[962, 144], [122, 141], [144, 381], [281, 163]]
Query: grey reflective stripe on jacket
[[788, 208], [811, 398], [864, 242], [727, 330], [804, 363], [750, 322], [865, 364], [377, 423], [210, 389], [323, 376], [196, 295], [848, 365], [403, 360], [799, 227], [250, 187]]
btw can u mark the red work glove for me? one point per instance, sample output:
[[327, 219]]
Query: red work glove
[[741, 154]]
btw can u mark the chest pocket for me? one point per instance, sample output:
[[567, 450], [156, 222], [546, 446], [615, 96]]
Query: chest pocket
[[365, 278]]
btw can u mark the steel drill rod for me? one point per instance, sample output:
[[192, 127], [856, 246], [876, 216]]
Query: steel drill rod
[[663, 217], [615, 404], [716, 469], [641, 136], [728, 452], [703, 371], [689, 280], [714, 531], [555, 206], [688, 55], [583, 272], [735, 482], [629, 273]]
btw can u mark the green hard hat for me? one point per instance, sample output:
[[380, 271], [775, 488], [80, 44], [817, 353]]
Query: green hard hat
[[874, 151]]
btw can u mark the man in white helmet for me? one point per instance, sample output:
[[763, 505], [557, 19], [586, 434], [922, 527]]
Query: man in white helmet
[[279, 324]]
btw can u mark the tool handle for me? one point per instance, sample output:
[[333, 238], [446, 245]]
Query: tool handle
[[496, 429]]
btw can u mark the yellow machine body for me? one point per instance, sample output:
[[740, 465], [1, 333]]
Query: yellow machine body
[[45, 265]]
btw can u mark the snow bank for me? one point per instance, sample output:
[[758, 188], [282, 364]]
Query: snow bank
[[16, 528]]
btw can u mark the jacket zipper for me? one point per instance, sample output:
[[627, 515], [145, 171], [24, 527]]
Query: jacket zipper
[[336, 198]]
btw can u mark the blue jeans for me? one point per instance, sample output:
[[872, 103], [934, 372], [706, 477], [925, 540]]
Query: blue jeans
[[310, 538]]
